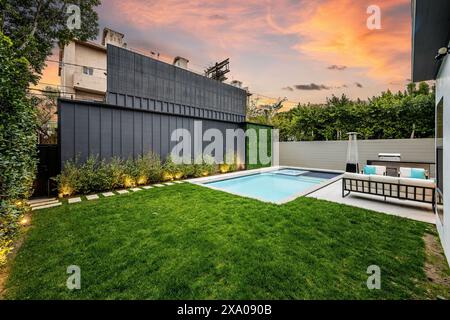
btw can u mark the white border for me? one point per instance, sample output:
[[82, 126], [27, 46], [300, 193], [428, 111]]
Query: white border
[[203, 180]]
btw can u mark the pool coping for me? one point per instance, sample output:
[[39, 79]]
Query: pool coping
[[203, 180]]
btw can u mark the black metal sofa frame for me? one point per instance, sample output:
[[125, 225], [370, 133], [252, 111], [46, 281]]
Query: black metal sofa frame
[[391, 190]]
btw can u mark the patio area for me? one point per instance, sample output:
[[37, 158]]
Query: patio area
[[402, 208]]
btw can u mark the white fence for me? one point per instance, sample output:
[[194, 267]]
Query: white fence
[[333, 154]]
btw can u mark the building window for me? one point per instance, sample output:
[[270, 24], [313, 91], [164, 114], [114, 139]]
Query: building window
[[89, 71]]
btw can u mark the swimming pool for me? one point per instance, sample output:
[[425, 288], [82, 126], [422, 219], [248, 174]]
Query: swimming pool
[[276, 186]]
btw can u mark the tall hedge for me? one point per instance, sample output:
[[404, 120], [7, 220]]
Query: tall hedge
[[17, 142], [254, 146], [403, 115]]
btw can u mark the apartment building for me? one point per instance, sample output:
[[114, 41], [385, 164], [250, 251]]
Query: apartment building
[[83, 67]]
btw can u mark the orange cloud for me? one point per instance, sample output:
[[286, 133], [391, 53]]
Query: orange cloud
[[336, 32], [230, 24]]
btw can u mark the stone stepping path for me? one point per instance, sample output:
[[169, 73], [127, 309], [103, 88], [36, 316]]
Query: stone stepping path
[[45, 203], [45, 206], [74, 200], [33, 202], [37, 204]]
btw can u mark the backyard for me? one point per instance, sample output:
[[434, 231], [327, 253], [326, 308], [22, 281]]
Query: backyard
[[190, 242]]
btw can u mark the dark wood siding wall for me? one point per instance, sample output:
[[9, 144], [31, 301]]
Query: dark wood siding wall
[[140, 82], [89, 128]]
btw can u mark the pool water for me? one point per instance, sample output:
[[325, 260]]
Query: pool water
[[272, 186]]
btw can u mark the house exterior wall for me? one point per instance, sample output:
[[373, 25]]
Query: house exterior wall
[[443, 92], [77, 85], [137, 81], [89, 128]]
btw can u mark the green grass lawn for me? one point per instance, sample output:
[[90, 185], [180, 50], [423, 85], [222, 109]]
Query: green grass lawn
[[190, 242]]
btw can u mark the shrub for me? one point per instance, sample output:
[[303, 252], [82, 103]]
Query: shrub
[[93, 176], [116, 171], [171, 170], [17, 142], [229, 166], [188, 170], [206, 167], [131, 172], [141, 173], [68, 181], [154, 167], [209, 166], [96, 176]]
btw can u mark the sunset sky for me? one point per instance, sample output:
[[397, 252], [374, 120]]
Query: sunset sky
[[303, 50]]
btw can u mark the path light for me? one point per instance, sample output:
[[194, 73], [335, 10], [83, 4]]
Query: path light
[[142, 180], [224, 168], [65, 191], [178, 175], [128, 182], [24, 221], [352, 153], [167, 176]]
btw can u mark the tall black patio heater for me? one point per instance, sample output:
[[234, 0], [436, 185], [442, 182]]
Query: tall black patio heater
[[352, 153]]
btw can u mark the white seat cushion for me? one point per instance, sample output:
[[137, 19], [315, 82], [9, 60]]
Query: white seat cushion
[[380, 170], [356, 176], [405, 172], [418, 182]]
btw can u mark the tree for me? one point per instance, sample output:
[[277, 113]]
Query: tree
[[35, 26], [263, 113], [29, 29], [46, 107], [424, 88], [411, 88], [17, 141], [387, 116]]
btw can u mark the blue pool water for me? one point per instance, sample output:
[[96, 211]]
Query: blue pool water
[[274, 186]]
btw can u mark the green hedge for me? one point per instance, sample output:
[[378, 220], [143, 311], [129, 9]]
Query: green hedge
[[252, 145], [95, 175], [388, 116], [17, 143]]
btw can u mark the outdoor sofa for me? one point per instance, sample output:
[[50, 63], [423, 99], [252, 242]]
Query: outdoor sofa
[[413, 189]]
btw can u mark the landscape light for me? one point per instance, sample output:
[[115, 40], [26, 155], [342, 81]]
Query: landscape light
[[24, 221], [128, 182], [142, 180], [167, 176], [442, 52], [224, 168]]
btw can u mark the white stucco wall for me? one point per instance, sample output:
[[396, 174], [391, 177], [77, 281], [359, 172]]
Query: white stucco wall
[[443, 91], [333, 154]]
